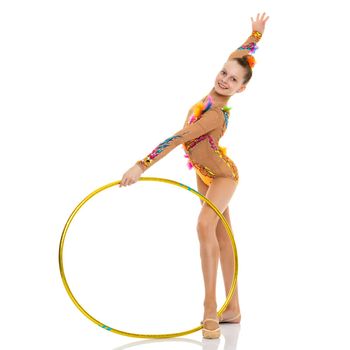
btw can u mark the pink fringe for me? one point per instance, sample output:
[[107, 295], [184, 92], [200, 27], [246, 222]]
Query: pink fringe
[[189, 164], [191, 119]]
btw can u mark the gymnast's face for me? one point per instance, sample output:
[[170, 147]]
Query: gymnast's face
[[230, 79]]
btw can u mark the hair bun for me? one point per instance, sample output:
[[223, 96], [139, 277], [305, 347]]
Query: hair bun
[[251, 60]]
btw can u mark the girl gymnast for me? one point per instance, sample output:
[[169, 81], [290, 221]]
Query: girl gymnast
[[216, 174]]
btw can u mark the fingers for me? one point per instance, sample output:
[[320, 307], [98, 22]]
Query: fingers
[[125, 181], [131, 176], [260, 19]]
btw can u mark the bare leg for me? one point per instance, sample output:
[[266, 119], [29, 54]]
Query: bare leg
[[219, 192], [227, 267]]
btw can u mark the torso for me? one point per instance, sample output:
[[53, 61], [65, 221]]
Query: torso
[[206, 155]]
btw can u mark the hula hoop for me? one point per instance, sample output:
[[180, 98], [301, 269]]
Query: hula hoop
[[135, 335]]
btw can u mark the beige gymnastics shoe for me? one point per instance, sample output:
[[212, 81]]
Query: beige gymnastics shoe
[[211, 333], [230, 320]]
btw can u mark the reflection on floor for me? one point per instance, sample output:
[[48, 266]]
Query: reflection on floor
[[229, 333]]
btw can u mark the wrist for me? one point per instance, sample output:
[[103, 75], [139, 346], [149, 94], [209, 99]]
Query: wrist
[[141, 165], [256, 34]]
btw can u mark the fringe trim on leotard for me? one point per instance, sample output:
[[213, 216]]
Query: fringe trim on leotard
[[199, 109]]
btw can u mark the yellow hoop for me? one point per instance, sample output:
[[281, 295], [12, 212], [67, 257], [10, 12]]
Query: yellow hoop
[[128, 334]]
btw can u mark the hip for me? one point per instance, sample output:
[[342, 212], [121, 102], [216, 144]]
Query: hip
[[207, 174]]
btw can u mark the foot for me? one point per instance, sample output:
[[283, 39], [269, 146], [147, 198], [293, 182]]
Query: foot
[[211, 328], [213, 321], [230, 316]]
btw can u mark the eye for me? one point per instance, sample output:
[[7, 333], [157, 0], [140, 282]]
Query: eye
[[234, 79], [223, 72]]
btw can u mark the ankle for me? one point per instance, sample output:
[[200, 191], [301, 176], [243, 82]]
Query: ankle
[[210, 304], [234, 309]]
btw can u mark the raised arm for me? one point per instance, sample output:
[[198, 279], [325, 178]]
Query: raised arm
[[249, 46], [209, 121]]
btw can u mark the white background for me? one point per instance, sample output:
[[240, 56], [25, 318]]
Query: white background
[[88, 88]]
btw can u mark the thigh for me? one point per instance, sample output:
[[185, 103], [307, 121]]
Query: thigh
[[202, 187], [219, 193]]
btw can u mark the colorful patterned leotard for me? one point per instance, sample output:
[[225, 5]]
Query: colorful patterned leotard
[[205, 124]]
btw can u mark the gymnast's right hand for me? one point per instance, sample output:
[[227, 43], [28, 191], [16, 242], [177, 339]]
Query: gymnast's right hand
[[131, 176]]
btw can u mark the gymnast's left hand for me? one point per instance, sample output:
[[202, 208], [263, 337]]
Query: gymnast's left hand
[[259, 23], [131, 176]]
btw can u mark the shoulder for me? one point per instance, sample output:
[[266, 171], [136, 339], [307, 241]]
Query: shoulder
[[211, 119], [217, 109], [215, 112]]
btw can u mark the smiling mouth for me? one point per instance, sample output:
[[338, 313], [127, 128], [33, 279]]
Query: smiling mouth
[[222, 87]]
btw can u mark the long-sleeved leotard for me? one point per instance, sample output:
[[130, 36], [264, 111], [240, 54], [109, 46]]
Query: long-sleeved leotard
[[205, 124]]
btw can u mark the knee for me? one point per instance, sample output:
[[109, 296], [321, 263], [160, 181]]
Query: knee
[[205, 229]]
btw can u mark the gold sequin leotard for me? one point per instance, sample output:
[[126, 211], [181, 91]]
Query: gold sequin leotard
[[202, 131]]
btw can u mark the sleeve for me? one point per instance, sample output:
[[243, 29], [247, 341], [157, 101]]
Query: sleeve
[[210, 120], [248, 47]]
